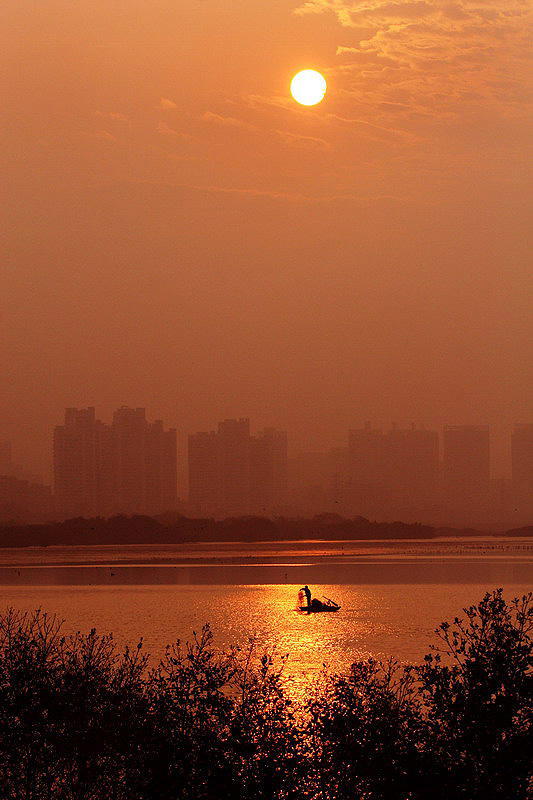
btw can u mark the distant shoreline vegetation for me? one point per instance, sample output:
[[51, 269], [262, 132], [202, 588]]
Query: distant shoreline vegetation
[[175, 529], [80, 720]]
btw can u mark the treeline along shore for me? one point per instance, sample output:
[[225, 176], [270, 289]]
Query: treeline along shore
[[176, 529], [80, 720]]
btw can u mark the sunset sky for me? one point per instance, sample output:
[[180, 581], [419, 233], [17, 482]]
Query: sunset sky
[[179, 234]]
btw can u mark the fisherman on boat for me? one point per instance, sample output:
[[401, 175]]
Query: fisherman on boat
[[313, 606], [305, 591]]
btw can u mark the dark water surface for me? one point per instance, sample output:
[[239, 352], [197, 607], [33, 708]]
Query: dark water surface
[[393, 594]]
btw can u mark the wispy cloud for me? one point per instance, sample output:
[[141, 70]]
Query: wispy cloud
[[433, 59], [165, 104], [232, 122], [297, 197], [378, 132], [166, 130], [300, 139]]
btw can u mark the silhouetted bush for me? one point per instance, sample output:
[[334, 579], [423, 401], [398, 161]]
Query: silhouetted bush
[[79, 721], [368, 734], [479, 694]]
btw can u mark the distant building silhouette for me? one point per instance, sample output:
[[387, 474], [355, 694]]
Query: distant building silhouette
[[76, 464], [130, 473], [231, 472], [9, 467], [203, 471], [233, 437], [127, 467], [161, 467], [404, 462], [268, 469], [325, 481], [22, 501], [466, 456], [466, 486], [367, 455], [412, 456], [23, 497]]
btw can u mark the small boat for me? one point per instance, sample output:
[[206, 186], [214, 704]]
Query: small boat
[[317, 606]]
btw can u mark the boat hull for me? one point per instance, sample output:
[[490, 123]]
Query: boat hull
[[318, 610]]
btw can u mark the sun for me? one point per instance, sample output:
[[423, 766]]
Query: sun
[[308, 87]]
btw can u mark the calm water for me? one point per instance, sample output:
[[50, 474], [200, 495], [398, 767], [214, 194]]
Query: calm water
[[393, 594]]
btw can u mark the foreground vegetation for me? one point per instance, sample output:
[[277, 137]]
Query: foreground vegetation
[[80, 721]]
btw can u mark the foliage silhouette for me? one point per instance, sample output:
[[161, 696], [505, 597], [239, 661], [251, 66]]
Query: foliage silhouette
[[478, 687], [81, 721], [176, 529]]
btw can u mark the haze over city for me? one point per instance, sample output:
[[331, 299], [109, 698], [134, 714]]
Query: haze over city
[[181, 235], [130, 466]]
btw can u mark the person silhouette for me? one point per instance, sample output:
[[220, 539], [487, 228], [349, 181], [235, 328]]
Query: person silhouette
[[307, 593]]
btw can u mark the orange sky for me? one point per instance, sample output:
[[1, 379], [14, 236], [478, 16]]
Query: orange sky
[[181, 235]]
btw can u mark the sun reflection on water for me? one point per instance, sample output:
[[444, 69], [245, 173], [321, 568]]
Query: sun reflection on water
[[333, 640], [375, 620]]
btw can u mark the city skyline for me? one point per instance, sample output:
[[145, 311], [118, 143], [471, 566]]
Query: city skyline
[[413, 473], [126, 467], [34, 451], [8, 445]]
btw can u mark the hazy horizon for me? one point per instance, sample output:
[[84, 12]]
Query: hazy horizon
[[32, 446], [180, 235]]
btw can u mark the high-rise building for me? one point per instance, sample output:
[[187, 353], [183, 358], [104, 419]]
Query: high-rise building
[[231, 472], [203, 472], [522, 455], [161, 468], [75, 467], [392, 469], [233, 437], [129, 437], [412, 462], [127, 467], [105, 469], [466, 458], [367, 455], [268, 470]]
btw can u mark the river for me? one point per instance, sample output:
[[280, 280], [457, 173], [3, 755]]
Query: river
[[392, 594]]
